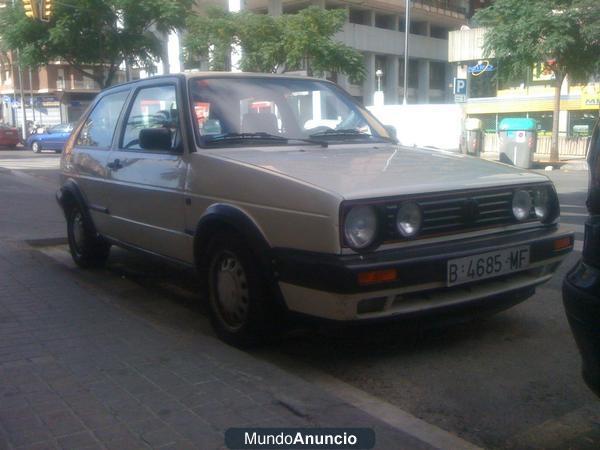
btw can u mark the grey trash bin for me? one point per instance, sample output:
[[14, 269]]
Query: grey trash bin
[[473, 138], [518, 141]]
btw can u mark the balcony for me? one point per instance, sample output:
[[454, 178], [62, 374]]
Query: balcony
[[365, 38], [455, 6], [76, 85]]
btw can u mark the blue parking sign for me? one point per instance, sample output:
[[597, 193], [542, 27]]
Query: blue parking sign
[[460, 86]]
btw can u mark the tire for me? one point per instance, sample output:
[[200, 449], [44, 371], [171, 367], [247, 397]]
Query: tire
[[36, 147], [88, 250], [241, 307]]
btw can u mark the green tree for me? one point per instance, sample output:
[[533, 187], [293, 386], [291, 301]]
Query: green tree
[[564, 35], [88, 33], [274, 44]]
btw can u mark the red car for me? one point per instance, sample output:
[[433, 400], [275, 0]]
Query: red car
[[9, 137]]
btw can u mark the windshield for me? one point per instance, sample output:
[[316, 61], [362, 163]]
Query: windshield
[[273, 110]]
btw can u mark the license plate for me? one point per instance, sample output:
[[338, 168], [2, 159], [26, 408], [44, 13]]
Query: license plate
[[487, 265]]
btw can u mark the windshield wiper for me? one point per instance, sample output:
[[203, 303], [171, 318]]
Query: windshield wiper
[[350, 132], [260, 136], [341, 132]]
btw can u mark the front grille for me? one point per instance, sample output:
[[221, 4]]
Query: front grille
[[454, 213]]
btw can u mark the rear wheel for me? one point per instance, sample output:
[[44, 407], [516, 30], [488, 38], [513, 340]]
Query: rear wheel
[[241, 306], [87, 248], [36, 147]]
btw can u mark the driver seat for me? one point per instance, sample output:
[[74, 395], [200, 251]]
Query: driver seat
[[260, 123]]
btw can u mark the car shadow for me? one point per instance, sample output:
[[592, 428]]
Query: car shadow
[[311, 340]]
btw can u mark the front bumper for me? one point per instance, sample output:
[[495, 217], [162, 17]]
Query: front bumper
[[327, 286]]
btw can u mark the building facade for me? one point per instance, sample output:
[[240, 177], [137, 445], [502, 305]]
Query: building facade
[[490, 99], [376, 28], [53, 94]]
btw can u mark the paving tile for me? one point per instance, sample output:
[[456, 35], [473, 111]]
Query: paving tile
[[128, 411], [19, 419], [160, 402], [97, 420], [143, 426], [49, 406], [28, 436], [45, 445], [184, 444], [160, 437], [61, 423], [77, 440]]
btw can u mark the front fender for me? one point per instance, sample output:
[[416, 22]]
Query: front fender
[[220, 215]]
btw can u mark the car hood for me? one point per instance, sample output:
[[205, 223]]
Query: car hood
[[368, 171]]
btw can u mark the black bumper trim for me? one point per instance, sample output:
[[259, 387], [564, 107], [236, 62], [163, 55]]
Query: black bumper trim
[[415, 265]]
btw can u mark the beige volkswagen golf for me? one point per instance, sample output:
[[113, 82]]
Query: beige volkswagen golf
[[290, 198]]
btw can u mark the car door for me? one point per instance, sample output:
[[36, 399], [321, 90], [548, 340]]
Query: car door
[[147, 182], [57, 136], [85, 162]]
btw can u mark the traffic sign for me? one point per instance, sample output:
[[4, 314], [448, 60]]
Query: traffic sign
[[460, 86], [460, 98]]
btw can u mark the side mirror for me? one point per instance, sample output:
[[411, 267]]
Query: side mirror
[[391, 131], [158, 139]]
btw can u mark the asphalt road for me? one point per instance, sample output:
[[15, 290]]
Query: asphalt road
[[509, 381]]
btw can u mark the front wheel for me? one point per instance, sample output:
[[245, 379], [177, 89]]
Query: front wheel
[[36, 147], [241, 307], [87, 249]]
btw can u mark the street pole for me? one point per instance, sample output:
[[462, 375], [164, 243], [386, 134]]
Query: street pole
[[22, 91], [31, 95], [406, 34], [23, 112]]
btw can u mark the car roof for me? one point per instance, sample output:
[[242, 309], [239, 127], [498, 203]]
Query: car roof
[[210, 74]]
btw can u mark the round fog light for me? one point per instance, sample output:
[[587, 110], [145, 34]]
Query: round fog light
[[409, 219], [521, 205]]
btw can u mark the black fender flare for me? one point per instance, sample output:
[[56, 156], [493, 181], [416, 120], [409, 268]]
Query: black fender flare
[[221, 215], [70, 193]]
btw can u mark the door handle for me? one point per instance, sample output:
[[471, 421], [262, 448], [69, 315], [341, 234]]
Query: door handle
[[115, 165]]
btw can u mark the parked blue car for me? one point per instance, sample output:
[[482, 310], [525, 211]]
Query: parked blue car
[[54, 138]]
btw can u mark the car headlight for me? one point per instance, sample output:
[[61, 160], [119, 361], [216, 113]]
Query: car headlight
[[521, 205], [360, 227], [409, 219]]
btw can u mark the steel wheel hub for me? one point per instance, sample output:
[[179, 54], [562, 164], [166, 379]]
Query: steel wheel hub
[[232, 294]]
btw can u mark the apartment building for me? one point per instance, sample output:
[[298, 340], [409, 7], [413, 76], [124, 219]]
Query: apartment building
[[53, 94], [376, 28]]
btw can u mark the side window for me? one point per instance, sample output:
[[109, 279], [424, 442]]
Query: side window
[[153, 108], [99, 128]]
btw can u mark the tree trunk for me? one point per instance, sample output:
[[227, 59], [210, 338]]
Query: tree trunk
[[556, 117]]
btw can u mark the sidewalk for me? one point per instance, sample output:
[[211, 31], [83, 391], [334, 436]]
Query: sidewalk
[[77, 371]]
